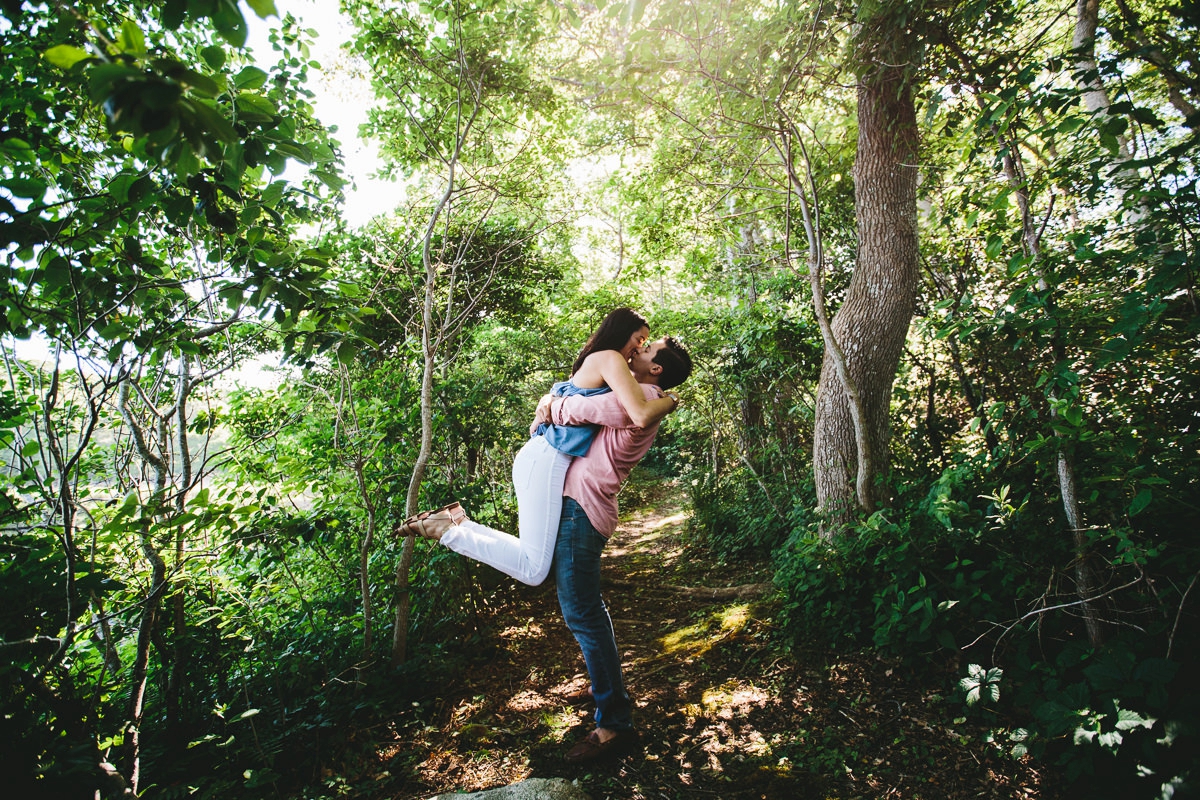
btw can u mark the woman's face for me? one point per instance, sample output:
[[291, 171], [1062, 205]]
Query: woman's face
[[636, 341]]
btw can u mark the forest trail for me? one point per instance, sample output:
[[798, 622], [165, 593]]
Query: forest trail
[[723, 710]]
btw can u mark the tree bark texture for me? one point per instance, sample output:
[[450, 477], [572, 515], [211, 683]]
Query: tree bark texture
[[139, 678], [873, 321], [1083, 42]]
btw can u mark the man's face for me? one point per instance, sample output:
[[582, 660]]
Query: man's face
[[636, 342], [642, 361]]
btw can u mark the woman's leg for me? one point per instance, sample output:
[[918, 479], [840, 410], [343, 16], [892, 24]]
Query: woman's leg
[[538, 474]]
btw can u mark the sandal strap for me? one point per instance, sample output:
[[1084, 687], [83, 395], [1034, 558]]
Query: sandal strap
[[454, 512]]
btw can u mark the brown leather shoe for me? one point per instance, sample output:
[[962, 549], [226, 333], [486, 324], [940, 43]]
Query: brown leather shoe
[[581, 698], [592, 749]]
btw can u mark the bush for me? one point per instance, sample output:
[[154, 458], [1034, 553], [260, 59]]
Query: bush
[[969, 573]]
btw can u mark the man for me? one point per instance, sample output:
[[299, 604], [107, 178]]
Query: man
[[589, 517]]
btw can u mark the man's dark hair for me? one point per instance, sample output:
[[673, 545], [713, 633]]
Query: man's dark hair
[[675, 362]]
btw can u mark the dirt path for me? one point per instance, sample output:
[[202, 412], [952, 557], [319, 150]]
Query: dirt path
[[722, 709]]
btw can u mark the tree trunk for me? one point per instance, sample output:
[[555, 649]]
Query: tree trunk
[[141, 664], [403, 591], [180, 646], [364, 558], [1083, 42], [429, 345], [872, 323], [1031, 234]]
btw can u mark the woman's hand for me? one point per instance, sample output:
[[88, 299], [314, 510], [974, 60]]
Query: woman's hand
[[542, 414]]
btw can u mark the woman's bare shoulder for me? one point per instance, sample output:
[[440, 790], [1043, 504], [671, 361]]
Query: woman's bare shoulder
[[604, 357], [591, 373]]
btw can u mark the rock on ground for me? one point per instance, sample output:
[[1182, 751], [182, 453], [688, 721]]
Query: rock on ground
[[531, 789]]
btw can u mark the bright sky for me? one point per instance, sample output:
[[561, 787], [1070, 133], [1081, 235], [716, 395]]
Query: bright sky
[[342, 98]]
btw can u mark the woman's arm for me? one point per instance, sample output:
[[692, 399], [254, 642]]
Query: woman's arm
[[611, 369]]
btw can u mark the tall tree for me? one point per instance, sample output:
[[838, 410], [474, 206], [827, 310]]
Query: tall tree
[[757, 81], [871, 325], [459, 111]]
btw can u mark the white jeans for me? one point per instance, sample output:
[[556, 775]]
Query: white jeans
[[538, 475]]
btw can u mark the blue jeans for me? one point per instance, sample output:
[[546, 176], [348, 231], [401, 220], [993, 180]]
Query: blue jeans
[[577, 572]]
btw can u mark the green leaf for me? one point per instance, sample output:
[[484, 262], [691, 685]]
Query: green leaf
[[177, 208], [255, 108], [1128, 719], [250, 78], [30, 188], [330, 179], [65, 55], [132, 40], [160, 94], [346, 352], [636, 9], [995, 245], [1109, 142], [1140, 501], [57, 273], [173, 13], [214, 56], [230, 23], [102, 78], [293, 150], [263, 8], [1074, 415], [201, 83], [273, 193], [17, 148], [1071, 124], [214, 122]]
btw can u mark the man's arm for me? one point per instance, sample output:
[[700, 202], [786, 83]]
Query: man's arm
[[601, 409]]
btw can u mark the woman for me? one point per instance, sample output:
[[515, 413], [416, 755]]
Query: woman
[[541, 466]]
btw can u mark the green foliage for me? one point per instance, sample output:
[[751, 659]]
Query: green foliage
[[981, 685], [150, 245], [941, 580], [141, 160], [450, 78], [740, 442], [152, 240]]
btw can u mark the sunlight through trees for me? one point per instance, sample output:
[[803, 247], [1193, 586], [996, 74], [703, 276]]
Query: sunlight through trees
[[935, 262]]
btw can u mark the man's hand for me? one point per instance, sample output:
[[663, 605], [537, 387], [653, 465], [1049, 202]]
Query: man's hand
[[542, 415]]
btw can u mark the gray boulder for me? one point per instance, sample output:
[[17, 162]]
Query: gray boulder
[[530, 789]]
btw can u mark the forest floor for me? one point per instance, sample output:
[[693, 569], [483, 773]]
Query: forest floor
[[724, 709]]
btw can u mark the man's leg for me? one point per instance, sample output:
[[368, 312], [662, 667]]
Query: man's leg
[[577, 573]]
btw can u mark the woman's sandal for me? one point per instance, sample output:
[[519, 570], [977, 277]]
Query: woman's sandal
[[418, 524]]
